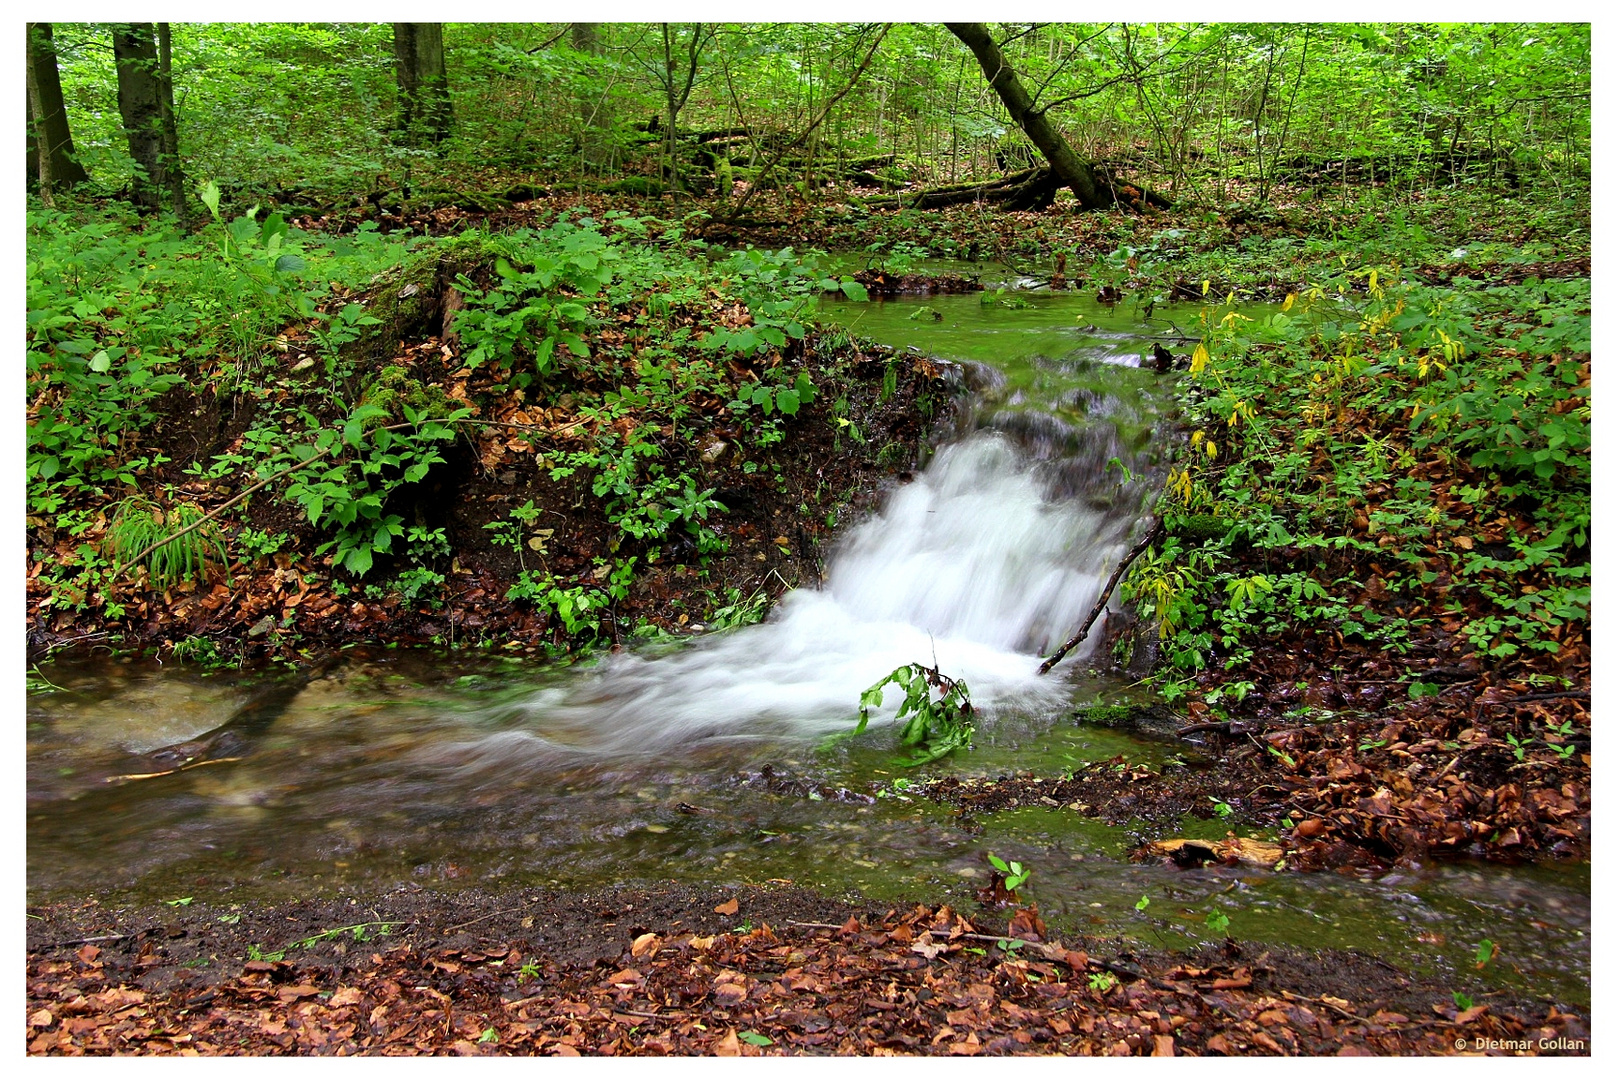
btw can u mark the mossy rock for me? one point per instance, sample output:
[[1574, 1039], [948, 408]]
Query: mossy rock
[[394, 387], [635, 185], [1154, 720], [1105, 715], [1200, 526]]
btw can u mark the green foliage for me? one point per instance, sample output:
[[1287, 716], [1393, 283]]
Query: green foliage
[[1013, 874], [527, 315], [138, 524], [931, 727], [351, 472], [1393, 431]]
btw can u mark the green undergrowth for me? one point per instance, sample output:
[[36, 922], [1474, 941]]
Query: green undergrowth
[[630, 335], [1385, 463]]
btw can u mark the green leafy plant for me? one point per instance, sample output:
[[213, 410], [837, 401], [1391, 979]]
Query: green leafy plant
[[1013, 874], [177, 544], [931, 726]]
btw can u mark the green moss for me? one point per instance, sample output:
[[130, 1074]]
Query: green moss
[[1200, 526], [635, 185], [1106, 715], [393, 387]]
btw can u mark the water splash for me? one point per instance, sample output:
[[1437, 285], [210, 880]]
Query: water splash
[[971, 566]]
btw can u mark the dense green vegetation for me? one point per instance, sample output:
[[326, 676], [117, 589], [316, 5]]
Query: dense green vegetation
[[1403, 450], [1203, 111]]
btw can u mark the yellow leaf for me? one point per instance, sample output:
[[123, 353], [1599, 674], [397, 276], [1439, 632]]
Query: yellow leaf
[[1288, 301], [1200, 358], [1206, 286], [1209, 448], [1372, 280], [1198, 437]]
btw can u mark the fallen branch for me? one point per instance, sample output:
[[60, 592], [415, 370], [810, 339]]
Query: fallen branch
[[1102, 601], [1551, 696]]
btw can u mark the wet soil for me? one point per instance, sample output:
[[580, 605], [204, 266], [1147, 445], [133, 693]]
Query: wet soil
[[1434, 778], [668, 969]]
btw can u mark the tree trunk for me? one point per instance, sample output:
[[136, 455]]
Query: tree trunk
[[171, 130], [1078, 175], [141, 107], [33, 144], [48, 120], [424, 113], [596, 118]]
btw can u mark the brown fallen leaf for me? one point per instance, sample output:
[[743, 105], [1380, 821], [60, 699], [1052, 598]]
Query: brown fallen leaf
[[645, 945], [1234, 849], [728, 1046], [346, 995], [727, 908]]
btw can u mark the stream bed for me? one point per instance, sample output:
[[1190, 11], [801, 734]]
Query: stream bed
[[703, 761]]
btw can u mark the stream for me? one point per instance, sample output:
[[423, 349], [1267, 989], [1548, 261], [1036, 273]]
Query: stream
[[703, 761]]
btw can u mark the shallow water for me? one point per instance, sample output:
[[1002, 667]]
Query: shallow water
[[703, 762]]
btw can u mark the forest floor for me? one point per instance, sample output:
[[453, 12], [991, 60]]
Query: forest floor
[[672, 970], [1391, 779]]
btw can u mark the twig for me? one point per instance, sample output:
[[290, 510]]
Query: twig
[[171, 772], [200, 522], [1551, 696], [85, 940], [1102, 601], [480, 919]]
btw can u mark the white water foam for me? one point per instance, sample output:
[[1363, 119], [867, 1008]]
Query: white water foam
[[968, 566]]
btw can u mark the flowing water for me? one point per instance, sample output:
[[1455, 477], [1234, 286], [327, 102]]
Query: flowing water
[[703, 761]]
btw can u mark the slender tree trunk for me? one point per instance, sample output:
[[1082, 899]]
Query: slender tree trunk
[[424, 115], [33, 141], [52, 147], [1078, 175], [594, 115], [171, 130], [141, 107], [44, 178]]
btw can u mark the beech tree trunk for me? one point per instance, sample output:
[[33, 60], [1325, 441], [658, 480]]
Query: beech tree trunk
[[595, 113], [146, 105], [424, 113], [52, 163], [1074, 172], [171, 129]]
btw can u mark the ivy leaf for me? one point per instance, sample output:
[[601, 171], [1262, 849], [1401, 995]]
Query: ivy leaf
[[788, 402]]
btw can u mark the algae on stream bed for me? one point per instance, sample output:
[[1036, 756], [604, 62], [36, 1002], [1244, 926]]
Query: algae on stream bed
[[359, 788]]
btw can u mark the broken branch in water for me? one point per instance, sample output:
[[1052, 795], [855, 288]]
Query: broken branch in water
[[1102, 601]]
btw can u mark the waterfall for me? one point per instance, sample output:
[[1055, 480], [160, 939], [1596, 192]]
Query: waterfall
[[991, 556]]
